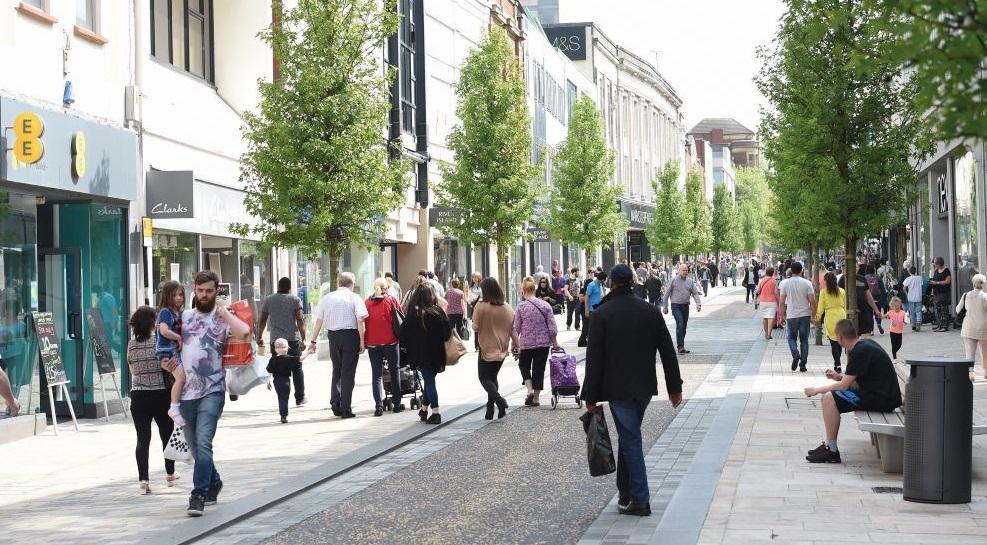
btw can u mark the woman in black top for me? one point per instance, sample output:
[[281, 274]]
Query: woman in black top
[[150, 394], [866, 305], [545, 292], [423, 335]]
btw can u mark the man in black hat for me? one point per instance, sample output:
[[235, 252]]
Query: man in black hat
[[626, 333]]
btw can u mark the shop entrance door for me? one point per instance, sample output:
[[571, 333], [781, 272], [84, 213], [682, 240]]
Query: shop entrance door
[[60, 292]]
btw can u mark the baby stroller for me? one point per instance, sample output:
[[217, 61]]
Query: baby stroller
[[928, 309], [565, 383], [410, 385]]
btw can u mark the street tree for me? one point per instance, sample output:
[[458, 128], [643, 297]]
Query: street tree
[[583, 207], [941, 45], [318, 172], [753, 205], [667, 233], [725, 222], [699, 230], [491, 181], [839, 132]]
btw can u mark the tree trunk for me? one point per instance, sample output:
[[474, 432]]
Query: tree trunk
[[335, 253], [850, 247], [505, 280], [814, 271]]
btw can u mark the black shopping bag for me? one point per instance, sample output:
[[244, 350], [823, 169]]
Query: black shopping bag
[[599, 449]]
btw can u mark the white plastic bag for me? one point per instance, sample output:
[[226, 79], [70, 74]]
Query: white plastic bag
[[177, 447], [242, 378]]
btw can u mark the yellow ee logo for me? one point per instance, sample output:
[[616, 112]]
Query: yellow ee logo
[[28, 146], [79, 154]]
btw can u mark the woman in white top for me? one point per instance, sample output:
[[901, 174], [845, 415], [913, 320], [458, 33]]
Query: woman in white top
[[974, 330]]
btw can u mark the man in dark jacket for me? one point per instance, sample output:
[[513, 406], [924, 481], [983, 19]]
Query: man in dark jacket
[[625, 334]]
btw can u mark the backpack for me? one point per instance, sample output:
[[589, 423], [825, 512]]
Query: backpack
[[873, 285]]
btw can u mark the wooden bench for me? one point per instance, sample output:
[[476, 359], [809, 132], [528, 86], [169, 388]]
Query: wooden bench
[[887, 430]]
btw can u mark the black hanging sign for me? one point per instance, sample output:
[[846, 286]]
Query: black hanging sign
[[51, 357], [100, 342]]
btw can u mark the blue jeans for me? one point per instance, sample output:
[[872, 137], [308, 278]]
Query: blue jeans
[[378, 355], [632, 475], [915, 313], [681, 314], [201, 418], [430, 396], [799, 328]]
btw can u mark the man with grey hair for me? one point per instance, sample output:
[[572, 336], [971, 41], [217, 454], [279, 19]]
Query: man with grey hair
[[343, 312], [540, 273], [680, 289]]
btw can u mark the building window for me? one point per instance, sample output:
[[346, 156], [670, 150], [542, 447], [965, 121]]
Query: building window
[[40, 4], [406, 65], [181, 35], [86, 14]]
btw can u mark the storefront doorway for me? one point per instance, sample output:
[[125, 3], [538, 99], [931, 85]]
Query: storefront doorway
[[60, 292]]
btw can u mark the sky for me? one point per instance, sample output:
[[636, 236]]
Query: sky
[[705, 48]]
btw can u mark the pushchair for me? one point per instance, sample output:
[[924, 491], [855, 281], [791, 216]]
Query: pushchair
[[410, 384], [928, 309], [562, 371]]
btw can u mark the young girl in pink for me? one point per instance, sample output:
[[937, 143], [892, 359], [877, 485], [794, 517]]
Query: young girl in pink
[[898, 318]]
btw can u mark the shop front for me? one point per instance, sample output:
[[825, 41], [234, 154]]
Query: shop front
[[452, 258], [639, 218], [191, 232], [66, 186], [948, 217]]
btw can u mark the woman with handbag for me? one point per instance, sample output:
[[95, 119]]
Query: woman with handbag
[[149, 394], [493, 322], [973, 309], [424, 333], [535, 327], [767, 298], [383, 325]]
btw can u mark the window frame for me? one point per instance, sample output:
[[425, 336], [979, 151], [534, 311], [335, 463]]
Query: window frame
[[188, 12], [407, 81], [42, 14]]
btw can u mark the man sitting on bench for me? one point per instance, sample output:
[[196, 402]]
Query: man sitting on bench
[[876, 388]]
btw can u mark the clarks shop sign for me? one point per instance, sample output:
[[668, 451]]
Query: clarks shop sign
[[169, 194]]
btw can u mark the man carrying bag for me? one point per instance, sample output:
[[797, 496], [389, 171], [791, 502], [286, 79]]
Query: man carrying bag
[[625, 334]]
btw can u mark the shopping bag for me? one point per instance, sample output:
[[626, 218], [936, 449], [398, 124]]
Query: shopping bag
[[242, 378], [599, 449], [177, 447], [455, 348], [240, 352], [464, 330]]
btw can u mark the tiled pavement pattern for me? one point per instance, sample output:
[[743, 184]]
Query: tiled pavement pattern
[[52, 486], [767, 493], [712, 334]]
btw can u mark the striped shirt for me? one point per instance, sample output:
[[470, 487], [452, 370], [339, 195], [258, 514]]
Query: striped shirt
[[341, 310]]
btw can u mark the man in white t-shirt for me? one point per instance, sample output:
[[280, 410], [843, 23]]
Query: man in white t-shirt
[[914, 285], [797, 299]]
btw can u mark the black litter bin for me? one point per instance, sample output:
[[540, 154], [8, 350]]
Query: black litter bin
[[938, 431]]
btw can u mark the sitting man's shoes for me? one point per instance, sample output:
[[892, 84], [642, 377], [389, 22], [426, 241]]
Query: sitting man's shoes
[[213, 494], [825, 456], [820, 448], [795, 363], [435, 418], [398, 407], [196, 505], [635, 509], [347, 414], [379, 411]]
